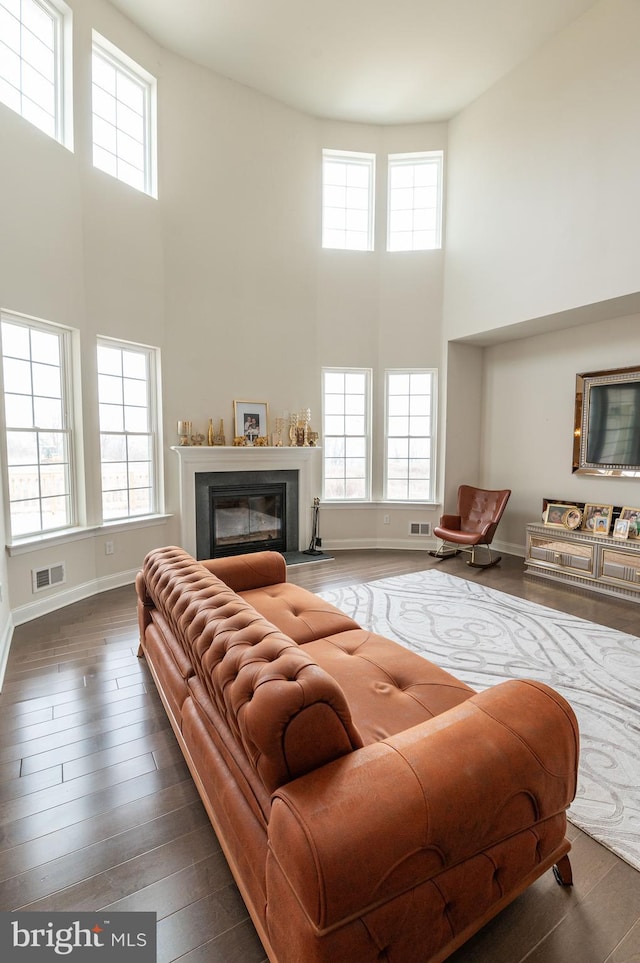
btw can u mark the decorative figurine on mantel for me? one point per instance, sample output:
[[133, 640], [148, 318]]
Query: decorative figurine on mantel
[[300, 428], [218, 438], [239, 441], [210, 433]]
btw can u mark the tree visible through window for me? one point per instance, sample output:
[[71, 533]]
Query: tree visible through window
[[127, 429], [346, 433], [38, 435], [410, 435]]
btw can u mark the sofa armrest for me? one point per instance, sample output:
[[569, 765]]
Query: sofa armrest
[[393, 815], [253, 570]]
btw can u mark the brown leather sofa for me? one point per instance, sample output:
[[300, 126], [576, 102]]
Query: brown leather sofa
[[371, 806]]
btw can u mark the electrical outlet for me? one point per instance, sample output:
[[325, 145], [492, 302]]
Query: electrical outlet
[[386, 519], [108, 548]]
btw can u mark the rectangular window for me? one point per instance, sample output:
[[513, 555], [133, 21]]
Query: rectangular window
[[128, 429], [347, 200], [36, 390], [410, 442], [124, 112], [415, 202], [32, 62], [346, 434]]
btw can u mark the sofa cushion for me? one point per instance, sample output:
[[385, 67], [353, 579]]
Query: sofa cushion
[[388, 688], [297, 612]]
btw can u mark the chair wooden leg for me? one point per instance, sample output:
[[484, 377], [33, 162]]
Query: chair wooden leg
[[563, 873]]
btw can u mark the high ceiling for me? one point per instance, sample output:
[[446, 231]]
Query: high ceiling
[[372, 61]]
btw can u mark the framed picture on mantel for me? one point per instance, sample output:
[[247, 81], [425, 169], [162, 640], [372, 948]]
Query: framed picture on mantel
[[250, 420]]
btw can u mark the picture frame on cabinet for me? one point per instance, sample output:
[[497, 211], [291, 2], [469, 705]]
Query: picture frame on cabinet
[[632, 515], [596, 519]]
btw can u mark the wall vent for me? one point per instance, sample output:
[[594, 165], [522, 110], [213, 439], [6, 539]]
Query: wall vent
[[42, 578], [419, 528]]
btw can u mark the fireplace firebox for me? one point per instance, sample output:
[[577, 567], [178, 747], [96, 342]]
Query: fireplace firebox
[[238, 512]]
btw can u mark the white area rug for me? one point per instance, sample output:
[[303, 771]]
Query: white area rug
[[483, 637]]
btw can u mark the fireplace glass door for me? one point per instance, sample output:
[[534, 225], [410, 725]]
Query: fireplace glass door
[[248, 519]]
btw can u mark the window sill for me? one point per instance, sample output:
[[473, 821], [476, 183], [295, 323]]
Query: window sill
[[33, 543]]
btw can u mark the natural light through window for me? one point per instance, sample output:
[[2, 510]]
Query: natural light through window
[[347, 200], [31, 61], [126, 397], [410, 399], [415, 202], [123, 104], [346, 433], [38, 437]]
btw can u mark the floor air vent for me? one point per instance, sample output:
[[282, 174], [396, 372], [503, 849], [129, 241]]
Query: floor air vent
[[419, 528], [42, 578]]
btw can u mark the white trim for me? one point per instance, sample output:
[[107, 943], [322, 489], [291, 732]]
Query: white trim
[[121, 62], [435, 157], [5, 645], [34, 610], [50, 539], [360, 159]]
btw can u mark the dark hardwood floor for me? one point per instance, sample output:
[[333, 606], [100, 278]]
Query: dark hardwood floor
[[98, 810]]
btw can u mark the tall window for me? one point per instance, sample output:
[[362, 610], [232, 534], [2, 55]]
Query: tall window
[[410, 399], [36, 390], [346, 433], [128, 429], [415, 202], [32, 61], [347, 200], [123, 102]]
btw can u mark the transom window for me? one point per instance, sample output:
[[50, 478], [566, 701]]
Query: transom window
[[347, 200], [123, 103], [346, 433], [414, 202], [410, 400], [32, 62], [128, 429], [36, 389]]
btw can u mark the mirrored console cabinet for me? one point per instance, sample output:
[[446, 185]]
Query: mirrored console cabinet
[[600, 563]]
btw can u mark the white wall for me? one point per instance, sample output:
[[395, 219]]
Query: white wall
[[543, 215], [544, 194]]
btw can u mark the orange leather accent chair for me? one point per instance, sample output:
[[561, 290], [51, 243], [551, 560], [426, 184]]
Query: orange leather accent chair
[[479, 512]]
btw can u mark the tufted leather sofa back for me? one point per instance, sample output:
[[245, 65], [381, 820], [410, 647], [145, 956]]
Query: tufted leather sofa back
[[287, 714]]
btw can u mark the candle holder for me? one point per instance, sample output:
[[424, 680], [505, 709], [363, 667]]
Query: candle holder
[[184, 432]]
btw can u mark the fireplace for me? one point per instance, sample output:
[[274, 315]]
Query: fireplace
[[246, 463], [238, 512]]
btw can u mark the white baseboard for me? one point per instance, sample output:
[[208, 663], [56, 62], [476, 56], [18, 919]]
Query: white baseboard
[[51, 603], [5, 644], [414, 543]]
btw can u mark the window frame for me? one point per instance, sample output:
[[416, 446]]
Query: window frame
[[394, 161], [61, 16], [127, 67], [152, 355], [367, 435], [432, 373], [69, 428], [350, 159]]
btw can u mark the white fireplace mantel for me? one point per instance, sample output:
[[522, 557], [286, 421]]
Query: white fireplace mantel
[[203, 458]]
